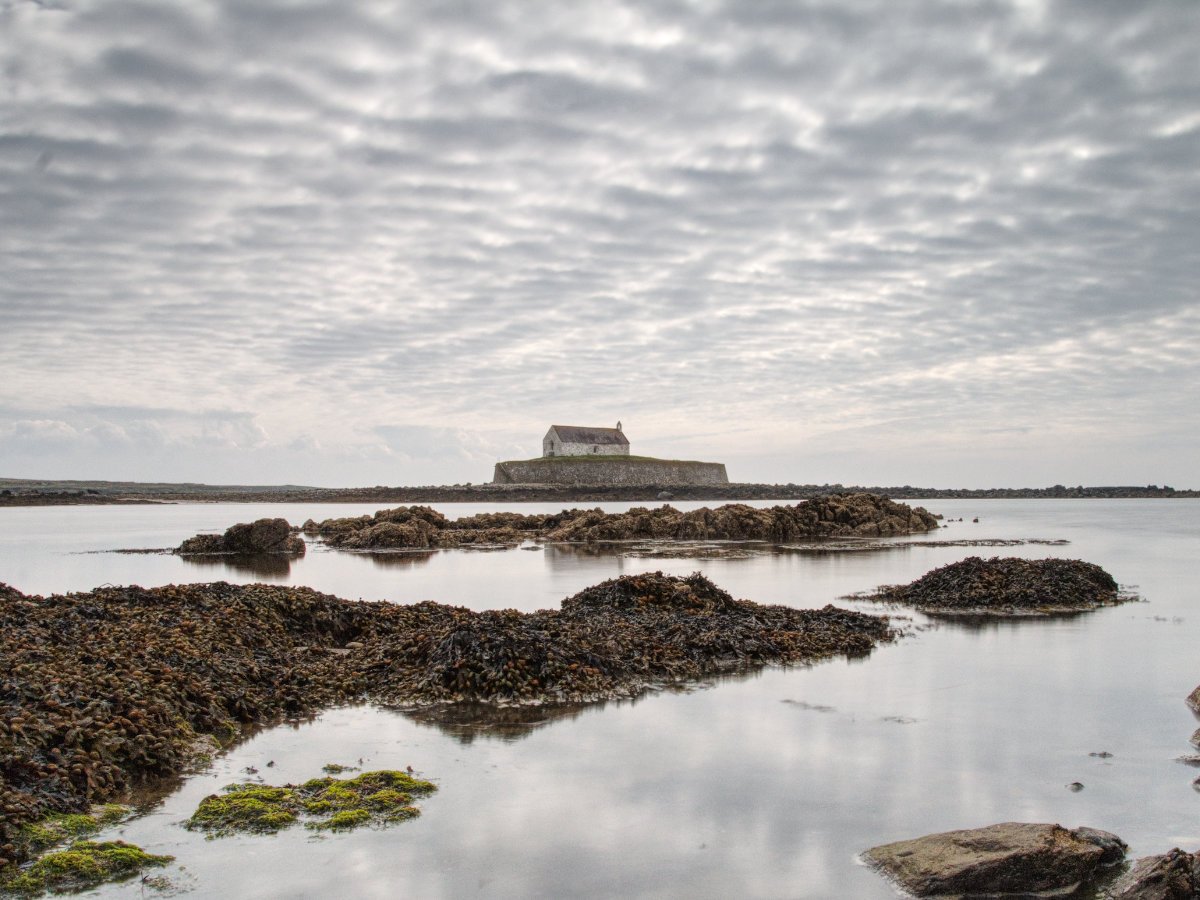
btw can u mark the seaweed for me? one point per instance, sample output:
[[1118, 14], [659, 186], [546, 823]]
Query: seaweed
[[84, 864], [373, 798]]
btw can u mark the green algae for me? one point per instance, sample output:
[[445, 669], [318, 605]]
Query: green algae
[[58, 828], [83, 864], [373, 798], [344, 820], [245, 808], [337, 768]]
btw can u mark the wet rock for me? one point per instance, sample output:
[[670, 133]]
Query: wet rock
[[1193, 701], [423, 528], [1007, 586], [420, 527], [261, 536], [838, 515], [1012, 858], [1175, 875]]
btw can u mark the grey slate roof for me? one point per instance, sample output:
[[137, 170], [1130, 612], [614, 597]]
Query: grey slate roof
[[577, 434]]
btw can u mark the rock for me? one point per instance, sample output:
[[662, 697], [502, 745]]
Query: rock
[[1193, 700], [838, 515], [202, 543], [834, 516], [665, 495], [261, 536], [1009, 858], [1194, 740], [248, 538], [1075, 786], [1007, 586], [1173, 876]]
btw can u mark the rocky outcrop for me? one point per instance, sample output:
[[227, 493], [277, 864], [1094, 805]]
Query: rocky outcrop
[[1175, 875], [423, 528], [1193, 701], [842, 515], [260, 536], [101, 689], [420, 527], [1007, 586], [1010, 859]]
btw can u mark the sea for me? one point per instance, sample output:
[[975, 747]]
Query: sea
[[768, 784]]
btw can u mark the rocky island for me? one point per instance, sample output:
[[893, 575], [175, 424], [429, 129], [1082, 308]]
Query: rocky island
[[420, 527], [581, 455], [1007, 586]]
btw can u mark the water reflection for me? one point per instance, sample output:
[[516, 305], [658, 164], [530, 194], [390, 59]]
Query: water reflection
[[403, 559], [764, 787], [264, 565], [467, 721], [1009, 622]]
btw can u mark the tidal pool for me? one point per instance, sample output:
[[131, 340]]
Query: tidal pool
[[766, 785]]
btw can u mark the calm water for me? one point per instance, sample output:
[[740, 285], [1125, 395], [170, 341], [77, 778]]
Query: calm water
[[764, 786]]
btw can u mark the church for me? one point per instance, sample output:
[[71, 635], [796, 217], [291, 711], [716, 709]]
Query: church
[[578, 440]]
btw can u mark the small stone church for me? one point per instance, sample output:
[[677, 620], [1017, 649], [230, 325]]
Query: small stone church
[[576, 440]]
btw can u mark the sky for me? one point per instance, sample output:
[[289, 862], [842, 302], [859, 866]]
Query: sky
[[935, 243]]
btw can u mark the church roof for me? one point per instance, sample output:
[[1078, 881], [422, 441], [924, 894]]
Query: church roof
[[578, 434]]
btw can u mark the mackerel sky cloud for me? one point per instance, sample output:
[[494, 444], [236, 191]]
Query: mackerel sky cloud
[[938, 243]]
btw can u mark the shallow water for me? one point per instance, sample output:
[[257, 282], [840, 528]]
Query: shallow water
[[761, 786]]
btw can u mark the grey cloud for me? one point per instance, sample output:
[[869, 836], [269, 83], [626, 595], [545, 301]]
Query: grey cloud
[[799, 214]]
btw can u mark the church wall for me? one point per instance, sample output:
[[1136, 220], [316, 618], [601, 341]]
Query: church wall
[[618, 471]]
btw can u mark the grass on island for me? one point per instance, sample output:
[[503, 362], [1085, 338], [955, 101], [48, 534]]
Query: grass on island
[[600, 457], [373, 798]]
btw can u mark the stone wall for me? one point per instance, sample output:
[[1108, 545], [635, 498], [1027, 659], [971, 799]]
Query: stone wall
[[567, 448], [609, 470]]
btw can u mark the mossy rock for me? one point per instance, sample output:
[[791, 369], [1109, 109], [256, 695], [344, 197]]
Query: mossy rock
[[58, 828], [373, 798], [82, 865], [250, 808]]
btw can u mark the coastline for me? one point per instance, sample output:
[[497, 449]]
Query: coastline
[[30, 492]]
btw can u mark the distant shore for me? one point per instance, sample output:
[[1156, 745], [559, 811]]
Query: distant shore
[[28, 492]]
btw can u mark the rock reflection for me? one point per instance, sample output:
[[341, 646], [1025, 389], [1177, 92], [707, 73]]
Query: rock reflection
[[467, 721], [983, 622], [271, 565], [409, 559]]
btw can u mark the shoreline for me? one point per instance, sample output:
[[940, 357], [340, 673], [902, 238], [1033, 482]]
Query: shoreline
[[30, 492]]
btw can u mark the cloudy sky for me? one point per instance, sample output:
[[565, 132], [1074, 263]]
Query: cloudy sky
[[936, 243]]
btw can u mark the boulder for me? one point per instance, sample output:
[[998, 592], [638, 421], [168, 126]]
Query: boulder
[[260, 536], [1173, 876], [1193, 699], [1012, 858]]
